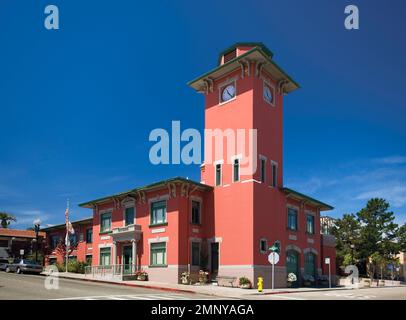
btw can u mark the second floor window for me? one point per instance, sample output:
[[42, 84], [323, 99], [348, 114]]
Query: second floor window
[[310, 224], [158, 212], [195, 212], [105, 222], [54, 241], [89, 235], [129, 216], [218, 174], [292, 219]]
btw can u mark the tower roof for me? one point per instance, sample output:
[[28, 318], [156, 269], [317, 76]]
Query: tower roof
[[242, 52]]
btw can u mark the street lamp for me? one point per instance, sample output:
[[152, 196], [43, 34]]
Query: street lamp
[[37, 223], [352, 253]]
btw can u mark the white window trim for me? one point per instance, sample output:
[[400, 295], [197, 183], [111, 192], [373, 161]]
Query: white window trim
[[224, 84], [101, 212], [262, 158], [124, 209], [274, 163], [268, 83], [158, 240], [158, 199]]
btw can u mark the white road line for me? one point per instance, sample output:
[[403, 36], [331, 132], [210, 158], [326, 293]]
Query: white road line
[[287, 297]]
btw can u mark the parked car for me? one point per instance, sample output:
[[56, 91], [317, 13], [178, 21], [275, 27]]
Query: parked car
[[3, 264], [24, 265]]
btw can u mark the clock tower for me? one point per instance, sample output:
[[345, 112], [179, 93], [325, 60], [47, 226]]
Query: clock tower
[[244, 159]]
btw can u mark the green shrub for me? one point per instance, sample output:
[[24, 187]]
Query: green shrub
[[73, 266]]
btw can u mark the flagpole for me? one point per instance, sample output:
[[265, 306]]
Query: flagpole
[[67, 236]]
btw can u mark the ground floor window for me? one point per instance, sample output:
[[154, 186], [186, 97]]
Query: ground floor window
[[52, 261], [89, 259], [105, 256], [158, 254], [195, 254]]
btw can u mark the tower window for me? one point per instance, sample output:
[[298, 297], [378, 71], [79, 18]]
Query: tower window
[[218, 174], [263, 170], [274, 169], [236, 170]]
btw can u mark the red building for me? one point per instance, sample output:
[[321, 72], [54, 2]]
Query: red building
[[81, 242], [226, 222]]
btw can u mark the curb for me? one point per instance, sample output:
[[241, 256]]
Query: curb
[[127, 284]]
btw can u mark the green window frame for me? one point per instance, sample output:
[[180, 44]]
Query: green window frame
[[105, 256], [292, 219], [158, 213], [129, 216], [195, 254], [218, 174], [105, 222], [196, 211], [236, 170], [310, 264], [158, 254], [310, 224]]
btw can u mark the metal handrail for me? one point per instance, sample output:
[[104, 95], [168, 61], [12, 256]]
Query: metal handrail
[[111, 270]]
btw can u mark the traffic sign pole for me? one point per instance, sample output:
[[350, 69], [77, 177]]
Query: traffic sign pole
[[273, 276]]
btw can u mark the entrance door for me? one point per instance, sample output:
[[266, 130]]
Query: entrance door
[[214, 257], [127, 259], [292, 266]]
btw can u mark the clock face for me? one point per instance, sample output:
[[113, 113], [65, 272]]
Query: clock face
[[228, 93], [268, 96]]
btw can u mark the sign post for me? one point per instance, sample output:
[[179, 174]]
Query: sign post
[[273, 259], [327, 261]]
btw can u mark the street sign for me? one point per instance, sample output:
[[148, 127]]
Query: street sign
[[327, 261], [273, 258]]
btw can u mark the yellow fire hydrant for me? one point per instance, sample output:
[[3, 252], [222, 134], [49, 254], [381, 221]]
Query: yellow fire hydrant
[[260, 284]]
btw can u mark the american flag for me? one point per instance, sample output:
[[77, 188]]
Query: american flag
[[69, 228]]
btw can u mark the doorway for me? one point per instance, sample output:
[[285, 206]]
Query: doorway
[[292, 266], [127, 259], [214, 251]]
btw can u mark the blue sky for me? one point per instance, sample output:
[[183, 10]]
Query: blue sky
[[77, 104]]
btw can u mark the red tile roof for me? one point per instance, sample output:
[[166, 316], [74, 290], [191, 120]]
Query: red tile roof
[[19, 233]]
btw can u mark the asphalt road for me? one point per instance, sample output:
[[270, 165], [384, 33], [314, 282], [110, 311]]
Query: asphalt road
[[383, 293], [31, 287]]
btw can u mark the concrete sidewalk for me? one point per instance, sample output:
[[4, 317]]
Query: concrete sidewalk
[[226, 292]]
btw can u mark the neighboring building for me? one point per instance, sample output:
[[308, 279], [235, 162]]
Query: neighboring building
[[226, 222], [402, 266], [81, 242], [12, 241]]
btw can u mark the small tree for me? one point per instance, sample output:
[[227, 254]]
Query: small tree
[[6, 218]]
